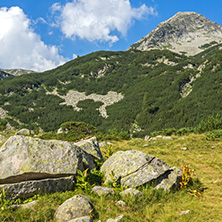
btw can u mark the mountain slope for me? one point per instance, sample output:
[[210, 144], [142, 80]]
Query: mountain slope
[[156, 89], [186, 32]]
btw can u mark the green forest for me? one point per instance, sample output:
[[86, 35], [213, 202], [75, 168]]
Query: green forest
[[152, 88]]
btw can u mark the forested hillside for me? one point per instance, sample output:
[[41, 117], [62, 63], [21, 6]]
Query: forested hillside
[[158, 90]]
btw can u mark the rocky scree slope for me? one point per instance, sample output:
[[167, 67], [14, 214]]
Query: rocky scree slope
[[186, 32]]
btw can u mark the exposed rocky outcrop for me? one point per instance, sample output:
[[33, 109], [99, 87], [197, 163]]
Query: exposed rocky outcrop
[[186, 32], [134, 168], [73, 208], [73, 97]]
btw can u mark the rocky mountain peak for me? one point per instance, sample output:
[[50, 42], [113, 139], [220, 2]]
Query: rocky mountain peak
[[186, 32]]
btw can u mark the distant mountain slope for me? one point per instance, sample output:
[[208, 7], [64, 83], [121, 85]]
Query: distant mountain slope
[[17, 72], [186, 32], [156, 89], [3, 75]]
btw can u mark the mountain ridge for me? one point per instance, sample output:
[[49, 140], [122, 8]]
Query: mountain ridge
[[185, 32]]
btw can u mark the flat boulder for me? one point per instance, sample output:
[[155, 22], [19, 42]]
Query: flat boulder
[[134, 168], [26, 158]]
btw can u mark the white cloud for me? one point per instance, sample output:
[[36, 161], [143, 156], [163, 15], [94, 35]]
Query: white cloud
[[21, 47], [97, 19]]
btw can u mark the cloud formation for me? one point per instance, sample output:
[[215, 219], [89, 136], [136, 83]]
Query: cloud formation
[[95, 20], [21, 47]]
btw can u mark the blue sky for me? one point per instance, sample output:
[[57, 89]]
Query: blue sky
[[42, 34]]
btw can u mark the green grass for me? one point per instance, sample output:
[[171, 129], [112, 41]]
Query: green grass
[[156, 205]]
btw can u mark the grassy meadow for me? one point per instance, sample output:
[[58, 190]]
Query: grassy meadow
[[200, 202]]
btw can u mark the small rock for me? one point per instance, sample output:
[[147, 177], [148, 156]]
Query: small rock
[[101, 191], [184, 148], [167, 138], [2, 139], [159, 136], [131, 192], [25, 206], [9, 127], [82, 219], [60, 130], [185, 212], [121, 203], [73, 208], [119, 218], [109, 143], [213, 147], [102, 144], [145, 145], [147, 138], [24, 132]]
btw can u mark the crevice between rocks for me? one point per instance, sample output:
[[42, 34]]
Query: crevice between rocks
[[145, 164]]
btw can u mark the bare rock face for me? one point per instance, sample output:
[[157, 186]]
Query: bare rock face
[[26, 158], [186, 32], [134, 168]]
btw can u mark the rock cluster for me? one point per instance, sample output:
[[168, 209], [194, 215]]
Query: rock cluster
[[30, 166]]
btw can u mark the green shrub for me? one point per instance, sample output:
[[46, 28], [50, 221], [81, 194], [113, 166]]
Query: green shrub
[[213, 135], [3, 123], [184, 131], [211, 123]]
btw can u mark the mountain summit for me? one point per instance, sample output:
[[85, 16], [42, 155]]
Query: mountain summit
[[186, 33]]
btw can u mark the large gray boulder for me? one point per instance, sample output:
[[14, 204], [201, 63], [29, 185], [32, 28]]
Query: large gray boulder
[[75, 207], [91, 147], [26, 158], [134, 168], [28, 189]]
